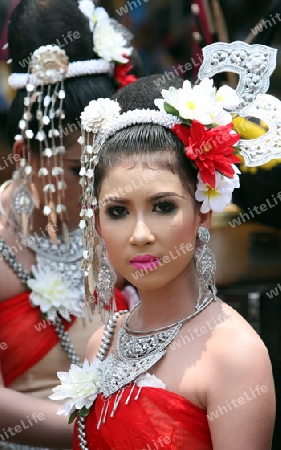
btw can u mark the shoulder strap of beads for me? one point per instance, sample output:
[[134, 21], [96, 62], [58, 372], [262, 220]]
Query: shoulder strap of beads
[[109, 333]]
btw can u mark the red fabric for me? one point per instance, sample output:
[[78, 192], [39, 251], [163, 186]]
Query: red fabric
[[27, 336], [159, 419], [120, 300]]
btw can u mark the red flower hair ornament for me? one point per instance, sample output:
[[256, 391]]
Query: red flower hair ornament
[[206, 130], [210, 149]]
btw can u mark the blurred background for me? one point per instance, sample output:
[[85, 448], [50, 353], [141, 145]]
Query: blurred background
[[169, 35]]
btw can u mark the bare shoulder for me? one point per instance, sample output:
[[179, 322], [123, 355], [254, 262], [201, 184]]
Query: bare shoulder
[[94, 344], [238, 361], [235, 341], [240, 388], [10, 283]]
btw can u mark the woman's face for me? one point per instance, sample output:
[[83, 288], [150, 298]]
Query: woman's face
[[149, 223]]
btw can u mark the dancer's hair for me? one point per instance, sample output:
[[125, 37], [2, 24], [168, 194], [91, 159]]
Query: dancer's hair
[[35, 23]]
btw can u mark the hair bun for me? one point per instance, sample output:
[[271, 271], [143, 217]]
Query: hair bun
[[35, 23]]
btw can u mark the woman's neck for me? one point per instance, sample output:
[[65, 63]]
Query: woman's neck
[[168, 304]]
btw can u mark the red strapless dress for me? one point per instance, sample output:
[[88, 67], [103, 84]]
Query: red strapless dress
[[159, 419], [25, 347]]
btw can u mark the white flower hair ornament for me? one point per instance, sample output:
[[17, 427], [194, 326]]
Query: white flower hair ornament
[[109, 42]]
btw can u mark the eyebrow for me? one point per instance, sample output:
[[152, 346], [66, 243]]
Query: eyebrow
[[153, 197]]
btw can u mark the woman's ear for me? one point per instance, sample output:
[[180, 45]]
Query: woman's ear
[[97, 220], [19, 152]]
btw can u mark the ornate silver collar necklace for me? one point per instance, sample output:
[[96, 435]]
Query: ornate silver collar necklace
[[137, 354]]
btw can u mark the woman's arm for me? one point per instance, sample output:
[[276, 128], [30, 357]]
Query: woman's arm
[[31, 421], [241, 400]]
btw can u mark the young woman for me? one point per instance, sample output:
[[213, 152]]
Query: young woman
[[61, 58], [182, 370]]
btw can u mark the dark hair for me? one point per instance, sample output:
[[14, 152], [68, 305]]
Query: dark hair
[[157, 146], [34, 23]]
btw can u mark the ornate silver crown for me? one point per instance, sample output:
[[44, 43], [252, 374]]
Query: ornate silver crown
[[254, 64]]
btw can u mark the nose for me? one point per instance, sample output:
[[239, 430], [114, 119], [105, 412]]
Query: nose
[[142, 234]]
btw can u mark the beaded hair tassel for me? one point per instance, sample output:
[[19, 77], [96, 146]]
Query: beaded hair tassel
[[90, 263], [48, 67]]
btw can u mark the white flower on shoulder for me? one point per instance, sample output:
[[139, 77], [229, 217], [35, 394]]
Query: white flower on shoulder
[[80, 386], [98, 113], [228, 98], [147, 380], [109, 43], [53, 296], [218, 198]]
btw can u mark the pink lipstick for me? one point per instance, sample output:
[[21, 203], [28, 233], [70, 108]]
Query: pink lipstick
[[145, 262]]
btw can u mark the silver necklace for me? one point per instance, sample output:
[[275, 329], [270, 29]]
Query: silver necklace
[[199, 307], [135, 356]]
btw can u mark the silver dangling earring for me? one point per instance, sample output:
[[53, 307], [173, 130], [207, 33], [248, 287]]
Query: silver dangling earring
[[206, 263], [22, 207], [105, 283]]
